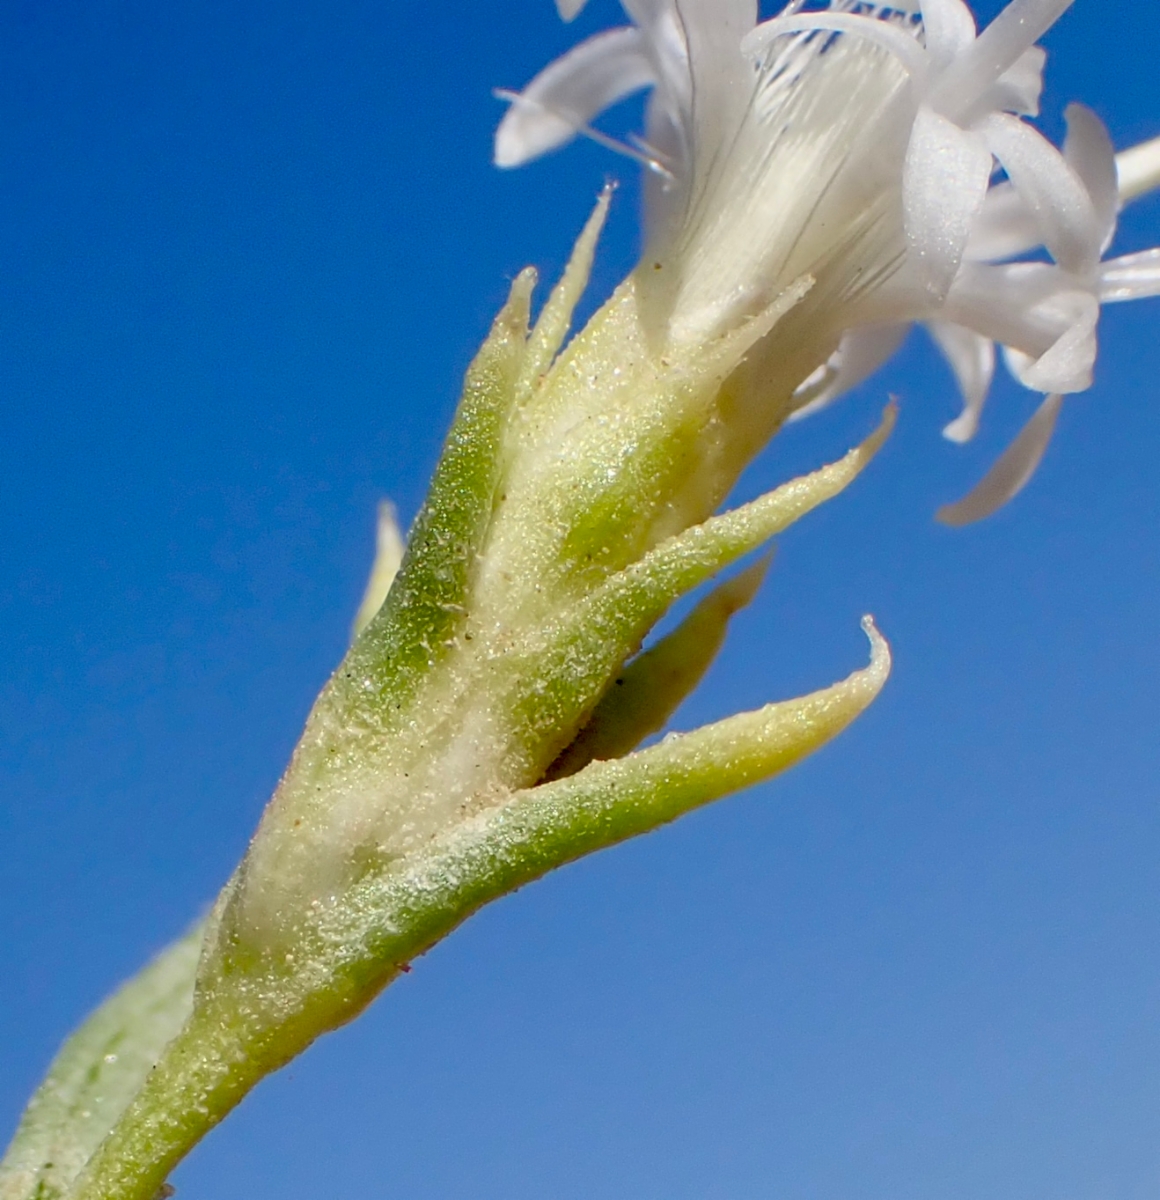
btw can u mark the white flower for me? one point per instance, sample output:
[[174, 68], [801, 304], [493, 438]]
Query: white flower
[[754, 182], [854, 148]]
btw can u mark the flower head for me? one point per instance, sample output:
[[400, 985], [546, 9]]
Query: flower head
[[852, 151]]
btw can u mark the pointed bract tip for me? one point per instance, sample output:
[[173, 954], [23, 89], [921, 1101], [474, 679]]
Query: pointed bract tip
[[523, 285], [556, 318], [886, 424], [517, 310], [890, 415], [880, 660], [594, 226]]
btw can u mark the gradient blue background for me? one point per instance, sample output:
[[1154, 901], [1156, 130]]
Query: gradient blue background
[[246, 251]]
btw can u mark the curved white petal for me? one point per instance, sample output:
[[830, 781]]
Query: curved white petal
[[1066, 366], [1018, 90], [972, 358], [1024, 306], [1011, 471], [1132, 277], [1052, 190], [1017, 361], [861, 352], [569, 9], [994, 52], [1004, 227], [666, 43], [1089, 152], [949, 29], [569, 92], [944, 183]]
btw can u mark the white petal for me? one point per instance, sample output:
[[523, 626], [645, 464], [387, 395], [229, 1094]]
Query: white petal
[[1131, 277], [944, 183], [972, 358], [1067, 365], [1053, 192], [994, 52], [1017, 362], [1007, 227], [1011, 471], [1138, 169], [1004, 228], [1004, 303], [569, 9], [1018, 90], [569, 92], [861, 352], [664, 197], [735, 18], [949, 28], [1046, 326], [713, 32], [665, 39], [1089, 152]]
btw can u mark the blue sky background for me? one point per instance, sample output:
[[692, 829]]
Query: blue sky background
[[246, 251]]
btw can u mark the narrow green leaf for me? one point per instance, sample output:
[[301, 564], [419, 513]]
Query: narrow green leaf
[[541, 828], [609, 624], [427, 599], [650, 688], [97, 1073]]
